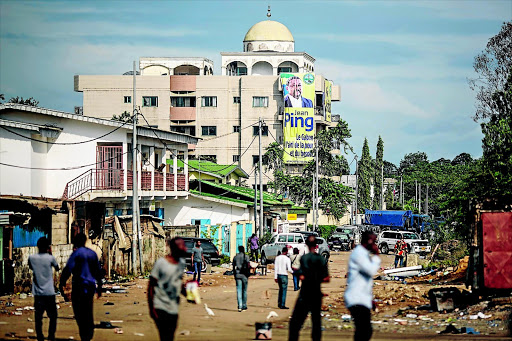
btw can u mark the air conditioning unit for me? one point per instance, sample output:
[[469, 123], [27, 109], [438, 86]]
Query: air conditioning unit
[[79, 110]]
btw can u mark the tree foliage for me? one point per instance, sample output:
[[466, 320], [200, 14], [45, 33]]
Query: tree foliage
[[20, 100], [378, 170], [364, 178], [492, 66], [124, 117]]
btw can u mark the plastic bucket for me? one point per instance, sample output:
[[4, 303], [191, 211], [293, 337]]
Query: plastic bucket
[[263, 331]]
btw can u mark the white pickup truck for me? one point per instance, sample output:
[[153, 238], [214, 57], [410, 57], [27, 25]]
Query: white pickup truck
[[290, 240]]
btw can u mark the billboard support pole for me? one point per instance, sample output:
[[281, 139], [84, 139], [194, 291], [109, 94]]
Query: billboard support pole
[[260, 125], [135, 196]]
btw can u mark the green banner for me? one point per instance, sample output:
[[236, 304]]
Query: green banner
[[299, 116], [327, 100]]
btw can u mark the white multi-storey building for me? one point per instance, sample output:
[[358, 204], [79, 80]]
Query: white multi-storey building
[[182, 95]]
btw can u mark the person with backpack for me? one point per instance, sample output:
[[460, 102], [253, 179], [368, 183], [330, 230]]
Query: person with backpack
[[253, 242], [241, 272], [295, 259]]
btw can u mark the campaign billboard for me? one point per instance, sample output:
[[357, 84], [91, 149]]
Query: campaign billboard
[[299, 116], [327, 100]]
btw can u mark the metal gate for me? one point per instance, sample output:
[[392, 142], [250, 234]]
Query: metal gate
[[109, 167], [497, 249]]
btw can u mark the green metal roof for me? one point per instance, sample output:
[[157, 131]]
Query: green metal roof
[[212, 168], [248, 193], [249, 203]]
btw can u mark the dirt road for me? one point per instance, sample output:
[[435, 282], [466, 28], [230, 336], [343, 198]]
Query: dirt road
[[130, 312]]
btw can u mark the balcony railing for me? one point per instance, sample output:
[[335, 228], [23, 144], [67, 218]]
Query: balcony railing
[[112, 179], [94, 179]]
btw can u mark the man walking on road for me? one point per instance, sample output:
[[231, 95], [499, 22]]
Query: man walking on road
[[400, 251], [313, 271], [164, 288], [84, 266], [253, 242], [43, 289], [282, 267], [363, 264], [241, 272], [197, 261]]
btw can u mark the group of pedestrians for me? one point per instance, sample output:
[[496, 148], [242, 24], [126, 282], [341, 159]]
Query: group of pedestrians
[[166, 285], [83, 265]]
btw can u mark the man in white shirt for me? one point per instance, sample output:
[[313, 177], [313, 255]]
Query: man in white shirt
[[282, 267], [363, 264]]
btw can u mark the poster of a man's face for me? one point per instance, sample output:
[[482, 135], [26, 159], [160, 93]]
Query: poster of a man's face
[[294, 98]]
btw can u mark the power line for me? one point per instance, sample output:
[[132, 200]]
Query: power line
[[64, 143], [64, 168]]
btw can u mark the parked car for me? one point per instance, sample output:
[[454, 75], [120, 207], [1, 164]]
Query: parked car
[[269, 251], [387, 240], [323, 248], [340, 241], [210, 251]]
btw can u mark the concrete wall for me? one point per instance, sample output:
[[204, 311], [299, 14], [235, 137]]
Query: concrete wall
[[22, 273], [181, 212]]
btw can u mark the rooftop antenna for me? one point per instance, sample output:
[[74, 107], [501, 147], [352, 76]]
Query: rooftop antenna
[[268, 12]]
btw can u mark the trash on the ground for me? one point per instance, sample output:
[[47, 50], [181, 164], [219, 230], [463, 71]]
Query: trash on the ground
[[192, 289], [108, 303], [469, 330], [346, 318], [483, 316], [19, 313], [228, 273], [443, 298], [105, 325], [116, 321], [185, 332], [118, 331], [29, 319], [263, 330], [272, 314], [450, 329], [138, 334], [29, 330], [208, 310], [411, 316], [407, 271]]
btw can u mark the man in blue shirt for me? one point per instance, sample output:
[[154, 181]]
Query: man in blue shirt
[[363, 264], [43, 289], [84, 266]]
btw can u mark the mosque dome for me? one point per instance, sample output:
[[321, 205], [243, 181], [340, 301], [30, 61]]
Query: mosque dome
[[268, 30]]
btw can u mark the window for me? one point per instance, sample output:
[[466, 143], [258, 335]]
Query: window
[[150, 101], [209, 101], [282, 239], [236, 100], [284, 69], [298, 239], [255, 159], [264, 131], [241, 71], [290, 239], [183, 101], [178, 130], [127, 99], [260, 102], [236, 129], [209, 130], [236, 158]]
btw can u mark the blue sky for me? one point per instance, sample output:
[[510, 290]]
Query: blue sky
[[402, 66]]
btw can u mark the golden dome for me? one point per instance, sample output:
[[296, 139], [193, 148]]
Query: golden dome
[[268, 30]]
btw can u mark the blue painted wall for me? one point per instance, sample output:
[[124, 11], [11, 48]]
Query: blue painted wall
[[24, 238]]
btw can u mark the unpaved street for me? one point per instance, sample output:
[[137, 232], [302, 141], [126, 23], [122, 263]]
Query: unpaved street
[[130, 312]]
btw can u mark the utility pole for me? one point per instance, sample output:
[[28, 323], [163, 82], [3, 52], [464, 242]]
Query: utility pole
[[315, 203], [260, 124], [416, 193], [382, 187], [419, 199], [135, 195], [256, 201], [355, 210], [426, 202], [199, 166], [400, 196]]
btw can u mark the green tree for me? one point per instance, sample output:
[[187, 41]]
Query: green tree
[[492, 66], [29, 101], [364, 178], [124, 117], [389, 198], [379, 163]]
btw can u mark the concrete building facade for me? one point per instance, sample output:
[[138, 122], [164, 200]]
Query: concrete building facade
[[182, 95]]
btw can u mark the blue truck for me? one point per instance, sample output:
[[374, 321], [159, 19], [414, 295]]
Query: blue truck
[[402, 220]]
